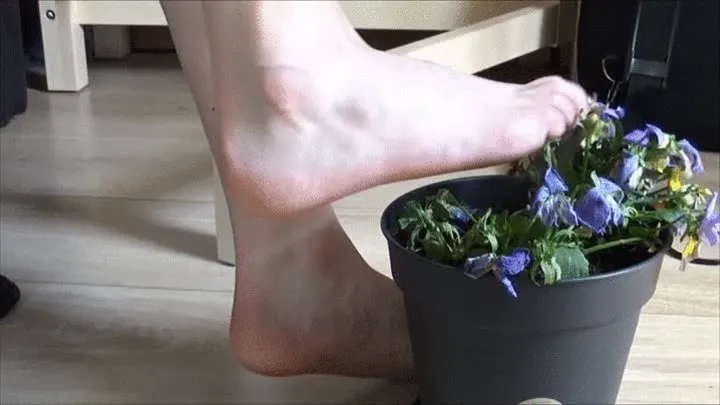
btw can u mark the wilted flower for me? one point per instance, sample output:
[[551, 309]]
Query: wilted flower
[[501, 266], [551, 204], [614, 113], [607, 115], [708, 232], [629, 171], [687, 160], [478, 266], [651, 134], [710, 224], [600, 206], [461, 216], [693, 197], [692, 156]]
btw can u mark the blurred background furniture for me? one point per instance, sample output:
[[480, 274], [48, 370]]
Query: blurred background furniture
[[665, 54], [13, 93]]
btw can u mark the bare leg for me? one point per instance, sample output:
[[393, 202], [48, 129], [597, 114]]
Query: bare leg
[[305, 301], [299, 112], [309, 113]]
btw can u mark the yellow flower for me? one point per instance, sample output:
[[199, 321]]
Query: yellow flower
[[675, 180], [691, 248]]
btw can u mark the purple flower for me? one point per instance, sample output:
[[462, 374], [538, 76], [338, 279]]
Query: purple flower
[[614, 113], [503, 267], [478, 266], [689, 158], [710, 224], [644, 137], [515, 262], [551, 204], [600, 206], [609, 188], [629, 171], [461, 217], [607, 115], [679, 227], [554, 183]]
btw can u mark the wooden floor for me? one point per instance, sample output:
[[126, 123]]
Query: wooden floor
[[106, 222]]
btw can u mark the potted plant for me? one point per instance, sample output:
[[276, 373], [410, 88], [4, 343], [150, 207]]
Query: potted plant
[[530, 285]]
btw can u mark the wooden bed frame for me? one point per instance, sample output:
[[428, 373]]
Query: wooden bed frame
[[476, 35]]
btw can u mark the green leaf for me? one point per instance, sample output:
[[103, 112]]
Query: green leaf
[[492, 240], [434, 249], [669, 216], [405, 222], [413, 208], [450, 230], [551, 271], [446, 196], [473, 237], [440, 209], [412, 241], [572, 262], [567, 234], [486, 216], [518, 229]]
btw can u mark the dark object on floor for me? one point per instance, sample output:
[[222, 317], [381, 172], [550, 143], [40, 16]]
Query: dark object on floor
[[675, 254], [474, 344], [9, 296], [13, 101], [31, 31], [13, 92], [667, 53]]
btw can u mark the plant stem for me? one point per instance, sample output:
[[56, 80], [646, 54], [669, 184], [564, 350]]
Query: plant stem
[[612, 244]]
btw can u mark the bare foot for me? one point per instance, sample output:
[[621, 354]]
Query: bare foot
[[332, 117], [342, 117], [306, 302]]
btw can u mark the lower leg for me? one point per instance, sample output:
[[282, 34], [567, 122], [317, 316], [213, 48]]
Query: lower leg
[[295, 122], [305, 301]]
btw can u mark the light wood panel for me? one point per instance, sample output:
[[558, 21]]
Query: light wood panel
[[365, 14]]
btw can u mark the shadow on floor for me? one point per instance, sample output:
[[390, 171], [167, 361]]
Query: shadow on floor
[[120, 217], [110, 347]]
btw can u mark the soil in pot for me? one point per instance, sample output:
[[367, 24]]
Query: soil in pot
[[474, 344]]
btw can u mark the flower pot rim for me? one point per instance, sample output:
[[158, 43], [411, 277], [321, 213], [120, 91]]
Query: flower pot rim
[[442, 266]]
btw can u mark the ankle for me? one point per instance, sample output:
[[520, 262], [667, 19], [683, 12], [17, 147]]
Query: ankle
[[285, 164]]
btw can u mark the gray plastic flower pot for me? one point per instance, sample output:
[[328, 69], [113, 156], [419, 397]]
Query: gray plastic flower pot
[[474, 344]]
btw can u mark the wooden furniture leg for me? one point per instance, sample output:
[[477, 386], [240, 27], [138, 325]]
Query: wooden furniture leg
[[63, 46]]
